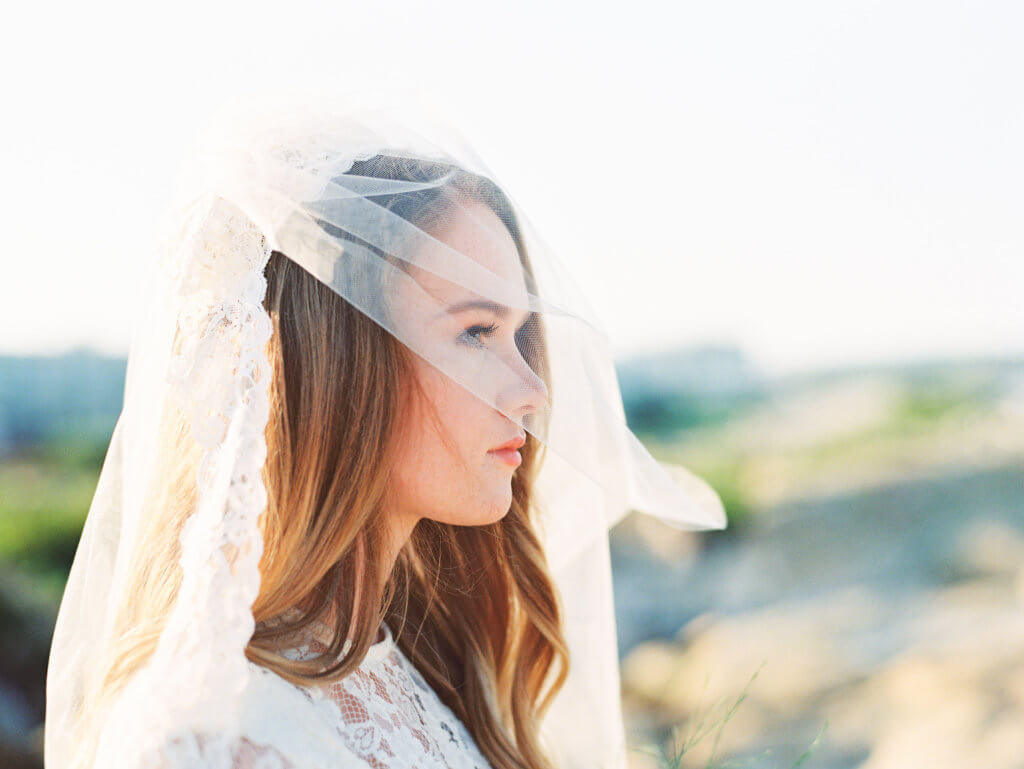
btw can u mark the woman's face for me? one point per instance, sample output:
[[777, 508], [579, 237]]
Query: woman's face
[[446, 469]]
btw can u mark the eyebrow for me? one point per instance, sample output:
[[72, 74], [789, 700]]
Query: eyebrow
[[480, 304]]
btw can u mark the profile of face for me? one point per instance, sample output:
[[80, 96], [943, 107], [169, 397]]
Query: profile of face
[[446, 468]]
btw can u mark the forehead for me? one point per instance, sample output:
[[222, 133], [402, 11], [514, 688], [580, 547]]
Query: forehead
[[475, 232]]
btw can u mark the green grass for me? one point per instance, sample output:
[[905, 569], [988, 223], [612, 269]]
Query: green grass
[[725, 476], [45, 499], [683, 738]]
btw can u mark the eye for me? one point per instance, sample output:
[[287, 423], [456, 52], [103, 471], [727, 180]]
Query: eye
[[471, 335]]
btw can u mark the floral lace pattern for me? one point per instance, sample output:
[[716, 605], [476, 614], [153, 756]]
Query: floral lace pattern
[[218, 376], [204, 751], [386, 714]]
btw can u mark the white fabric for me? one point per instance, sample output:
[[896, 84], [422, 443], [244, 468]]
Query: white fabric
[[385, 713], [281, 178], [382, 714]]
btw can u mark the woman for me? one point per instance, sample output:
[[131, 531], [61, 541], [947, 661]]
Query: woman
[[322, 535]]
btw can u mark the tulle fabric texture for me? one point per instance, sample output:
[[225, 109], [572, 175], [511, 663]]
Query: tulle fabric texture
[[266, 179]]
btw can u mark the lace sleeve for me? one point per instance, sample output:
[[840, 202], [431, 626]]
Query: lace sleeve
[[214, 752], [211, 751]]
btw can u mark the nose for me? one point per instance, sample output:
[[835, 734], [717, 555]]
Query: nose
[[527, 395]]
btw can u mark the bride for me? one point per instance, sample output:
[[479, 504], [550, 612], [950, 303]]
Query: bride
[[354, 512]]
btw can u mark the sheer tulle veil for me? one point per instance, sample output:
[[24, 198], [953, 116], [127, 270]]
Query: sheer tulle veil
[[265, 177]]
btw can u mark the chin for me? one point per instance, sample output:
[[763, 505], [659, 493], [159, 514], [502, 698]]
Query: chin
[[501, 511], [492, 508]]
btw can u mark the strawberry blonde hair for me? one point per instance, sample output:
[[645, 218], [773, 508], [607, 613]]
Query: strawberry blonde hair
[[474, 608]]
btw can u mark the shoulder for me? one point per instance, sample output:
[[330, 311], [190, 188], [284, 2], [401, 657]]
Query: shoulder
[[214, 751], [294, 719], [279, 726]]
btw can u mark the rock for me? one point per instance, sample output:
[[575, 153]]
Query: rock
[[990, 548]]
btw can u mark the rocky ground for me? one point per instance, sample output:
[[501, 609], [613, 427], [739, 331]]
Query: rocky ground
[[882, 613]]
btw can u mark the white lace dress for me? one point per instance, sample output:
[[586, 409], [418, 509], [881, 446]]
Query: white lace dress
[[384, 715]]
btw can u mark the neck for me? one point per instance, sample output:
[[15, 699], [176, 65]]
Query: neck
[[398, 534]]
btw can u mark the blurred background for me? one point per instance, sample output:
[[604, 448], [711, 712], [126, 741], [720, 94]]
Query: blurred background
[[800, 225]]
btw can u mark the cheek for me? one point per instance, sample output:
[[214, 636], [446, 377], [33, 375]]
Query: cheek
[[450, 477]]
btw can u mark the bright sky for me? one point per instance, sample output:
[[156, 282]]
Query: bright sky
[[816, 182]]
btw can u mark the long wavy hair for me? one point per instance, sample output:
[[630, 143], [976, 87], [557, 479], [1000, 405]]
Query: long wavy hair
[[474, 608]]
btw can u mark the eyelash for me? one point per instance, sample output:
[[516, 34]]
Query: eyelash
[[484, 330]]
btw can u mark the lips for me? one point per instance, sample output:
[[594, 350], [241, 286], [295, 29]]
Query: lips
[[516, 443], [507, 453]]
